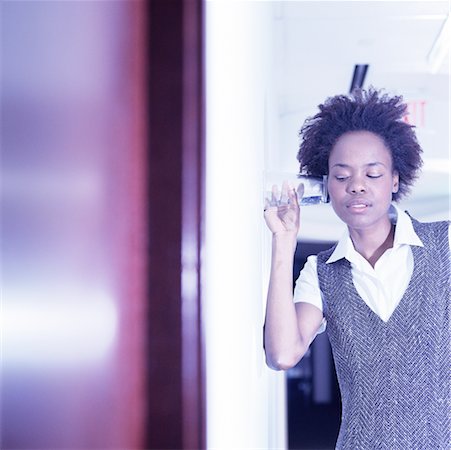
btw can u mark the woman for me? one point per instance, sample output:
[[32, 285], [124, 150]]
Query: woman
[[382, 292]]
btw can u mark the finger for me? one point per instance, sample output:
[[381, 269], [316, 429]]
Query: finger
[[300, 191], [292, 196], [284, 196], [274, 195]]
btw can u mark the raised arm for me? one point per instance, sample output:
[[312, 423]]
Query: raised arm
[[289, 328]]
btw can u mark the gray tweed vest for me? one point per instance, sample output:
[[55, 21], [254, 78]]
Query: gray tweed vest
[[394, 377]]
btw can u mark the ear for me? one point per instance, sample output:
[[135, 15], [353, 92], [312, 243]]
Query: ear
[[395, 187]]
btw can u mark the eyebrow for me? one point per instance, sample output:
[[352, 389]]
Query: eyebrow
[[371, 164]]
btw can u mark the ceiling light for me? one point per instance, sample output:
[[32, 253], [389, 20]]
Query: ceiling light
[[440, 49]]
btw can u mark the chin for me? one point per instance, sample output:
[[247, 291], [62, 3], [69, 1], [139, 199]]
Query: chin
[[362, 221]]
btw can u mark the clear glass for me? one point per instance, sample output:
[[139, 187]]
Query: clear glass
[[315, 188]]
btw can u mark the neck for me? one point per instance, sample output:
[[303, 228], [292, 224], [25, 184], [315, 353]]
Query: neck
[[372, 245]]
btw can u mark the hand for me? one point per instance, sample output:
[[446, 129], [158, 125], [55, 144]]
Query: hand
[[282, 211]]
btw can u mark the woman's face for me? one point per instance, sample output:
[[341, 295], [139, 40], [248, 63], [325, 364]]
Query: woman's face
[[361, 180]]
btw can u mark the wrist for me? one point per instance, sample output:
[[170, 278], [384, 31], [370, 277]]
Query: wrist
[[285, 235], [285, 239]]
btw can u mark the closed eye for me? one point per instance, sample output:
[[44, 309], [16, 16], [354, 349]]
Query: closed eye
[[341, 178], [374, 176]]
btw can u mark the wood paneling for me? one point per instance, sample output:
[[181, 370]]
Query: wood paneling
[[175, 198]]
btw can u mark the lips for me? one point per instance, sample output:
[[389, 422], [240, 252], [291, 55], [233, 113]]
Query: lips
[[358, 205]]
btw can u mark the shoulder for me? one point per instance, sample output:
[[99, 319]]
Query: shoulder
[[435, 237], [308, 272], [431, 231], [323, 256]]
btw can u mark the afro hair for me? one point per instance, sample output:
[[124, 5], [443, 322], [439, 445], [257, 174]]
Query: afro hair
[[362, 110]]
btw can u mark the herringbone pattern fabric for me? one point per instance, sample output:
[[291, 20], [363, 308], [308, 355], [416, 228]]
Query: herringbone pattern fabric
[[394, 376]]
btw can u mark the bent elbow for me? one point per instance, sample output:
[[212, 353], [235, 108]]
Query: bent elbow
[[284, 362], [279, 365]]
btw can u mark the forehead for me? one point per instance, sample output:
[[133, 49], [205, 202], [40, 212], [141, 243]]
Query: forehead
[[359, 148]]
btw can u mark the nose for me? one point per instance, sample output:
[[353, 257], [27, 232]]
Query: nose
[[356, 186]]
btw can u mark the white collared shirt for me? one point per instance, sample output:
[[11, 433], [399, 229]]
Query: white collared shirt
[[381, 287]]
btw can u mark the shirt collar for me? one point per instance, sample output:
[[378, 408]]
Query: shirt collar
[[404, 234]]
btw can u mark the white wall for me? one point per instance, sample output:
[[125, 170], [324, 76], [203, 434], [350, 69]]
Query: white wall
[[245, 400]]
